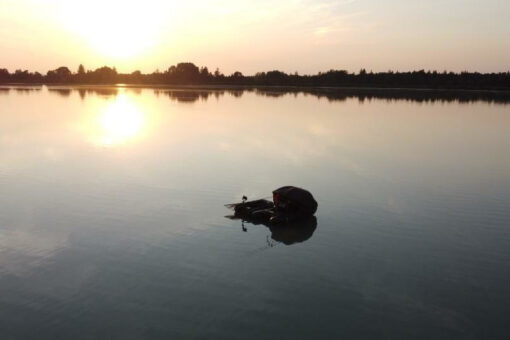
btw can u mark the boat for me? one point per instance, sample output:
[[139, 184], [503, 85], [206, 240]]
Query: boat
[[290, 204]]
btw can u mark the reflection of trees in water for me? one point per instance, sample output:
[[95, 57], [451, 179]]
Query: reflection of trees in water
[[191, 95], [61, 92], [26, 90], [236, 93], [184, 96], [272, 94], [66, 92], [84, 91], [103, 91], [413, 95], [420, 96]]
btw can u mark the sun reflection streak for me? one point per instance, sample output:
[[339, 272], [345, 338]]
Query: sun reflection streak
[[120, 122]]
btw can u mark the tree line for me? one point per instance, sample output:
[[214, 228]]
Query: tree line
[[190, 74]]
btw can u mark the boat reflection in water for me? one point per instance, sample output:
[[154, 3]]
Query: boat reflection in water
[[294, 232], [288, 233]]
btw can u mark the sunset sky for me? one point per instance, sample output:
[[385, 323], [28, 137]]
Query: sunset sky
[[290, 35]]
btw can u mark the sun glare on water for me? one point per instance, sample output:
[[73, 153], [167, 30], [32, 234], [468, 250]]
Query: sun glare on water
[[120, 122]]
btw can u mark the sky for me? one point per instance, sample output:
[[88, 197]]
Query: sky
[[304, 36]]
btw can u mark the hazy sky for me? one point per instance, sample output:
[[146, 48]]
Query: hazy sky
[[256, 35]]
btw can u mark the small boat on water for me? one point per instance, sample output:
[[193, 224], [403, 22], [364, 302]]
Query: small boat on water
[[290, 204]]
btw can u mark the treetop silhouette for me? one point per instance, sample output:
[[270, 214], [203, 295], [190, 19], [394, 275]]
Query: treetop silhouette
[[188, 73]]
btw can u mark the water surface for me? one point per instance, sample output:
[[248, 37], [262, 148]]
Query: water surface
[[112, 222]]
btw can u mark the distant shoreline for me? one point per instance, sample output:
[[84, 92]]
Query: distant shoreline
[[288, 88], [188, 74]]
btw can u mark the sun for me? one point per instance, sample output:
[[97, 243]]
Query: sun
[[113, 29], [119, 42]]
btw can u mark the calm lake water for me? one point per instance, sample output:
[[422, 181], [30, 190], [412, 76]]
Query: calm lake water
[[112, 224]]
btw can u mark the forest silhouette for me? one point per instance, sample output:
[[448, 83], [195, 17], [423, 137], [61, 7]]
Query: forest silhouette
[[189, 74]]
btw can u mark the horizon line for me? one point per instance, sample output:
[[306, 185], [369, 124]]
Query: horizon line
[[361, 70]]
